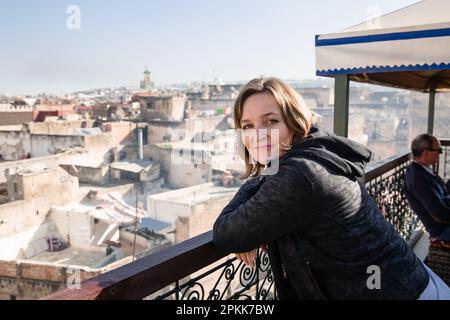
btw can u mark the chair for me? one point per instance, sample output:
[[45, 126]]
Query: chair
[[439, 259]]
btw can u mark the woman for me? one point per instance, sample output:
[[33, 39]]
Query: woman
[[325, 235]]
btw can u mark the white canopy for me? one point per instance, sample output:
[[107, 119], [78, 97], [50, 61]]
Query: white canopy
[[408, 48]]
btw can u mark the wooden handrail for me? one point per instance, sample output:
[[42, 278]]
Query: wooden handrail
[[142, 277], [386, 166]]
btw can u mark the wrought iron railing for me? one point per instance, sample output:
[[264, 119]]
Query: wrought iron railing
[[443, 166], [231, 280], [385, 183], [195, 269]]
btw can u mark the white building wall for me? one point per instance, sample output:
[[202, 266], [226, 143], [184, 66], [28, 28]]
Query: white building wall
[[166, 210], [14, 145], [189, 171], [80, 232], [60, 218], [44, 145]]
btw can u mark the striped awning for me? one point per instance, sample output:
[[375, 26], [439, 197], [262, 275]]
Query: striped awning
[[408, 48]]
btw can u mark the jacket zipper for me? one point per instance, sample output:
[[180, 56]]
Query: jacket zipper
[[284, 271], [308, 265]]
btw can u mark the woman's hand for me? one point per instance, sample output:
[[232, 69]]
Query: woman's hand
[[247, 257], [250, 256]]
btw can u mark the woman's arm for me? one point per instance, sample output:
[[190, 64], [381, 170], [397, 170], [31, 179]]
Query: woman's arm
[[245, 192], [280, 205]]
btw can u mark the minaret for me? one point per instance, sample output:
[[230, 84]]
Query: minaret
[[146, 84]]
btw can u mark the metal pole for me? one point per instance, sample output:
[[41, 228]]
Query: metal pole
[[431, 103], [341, 104], [135, 222], [140, 144]]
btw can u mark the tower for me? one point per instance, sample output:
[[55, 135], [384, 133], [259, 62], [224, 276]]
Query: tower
[[146, 84]]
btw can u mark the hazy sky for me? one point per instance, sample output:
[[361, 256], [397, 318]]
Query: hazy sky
[[179, 40]]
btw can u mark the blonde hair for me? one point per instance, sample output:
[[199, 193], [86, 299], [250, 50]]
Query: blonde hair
[[296, 114]]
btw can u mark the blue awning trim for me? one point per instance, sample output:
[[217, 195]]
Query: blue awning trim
[[444, 32], [373, 69]]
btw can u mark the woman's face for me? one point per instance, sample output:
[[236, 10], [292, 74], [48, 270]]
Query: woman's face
[[263, 128]]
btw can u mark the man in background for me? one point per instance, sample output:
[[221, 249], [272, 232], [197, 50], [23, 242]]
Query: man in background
[[426, 192]]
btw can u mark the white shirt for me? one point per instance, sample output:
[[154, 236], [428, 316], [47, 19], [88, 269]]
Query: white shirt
[[437, 289]]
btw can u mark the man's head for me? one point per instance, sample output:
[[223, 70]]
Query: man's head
[[426, 149]]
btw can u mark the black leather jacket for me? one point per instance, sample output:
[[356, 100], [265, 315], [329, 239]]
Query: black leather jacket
[[322, 228]]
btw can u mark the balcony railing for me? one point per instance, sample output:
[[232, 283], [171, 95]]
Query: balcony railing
[[443, 166], [195, 269], [385, 184]]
